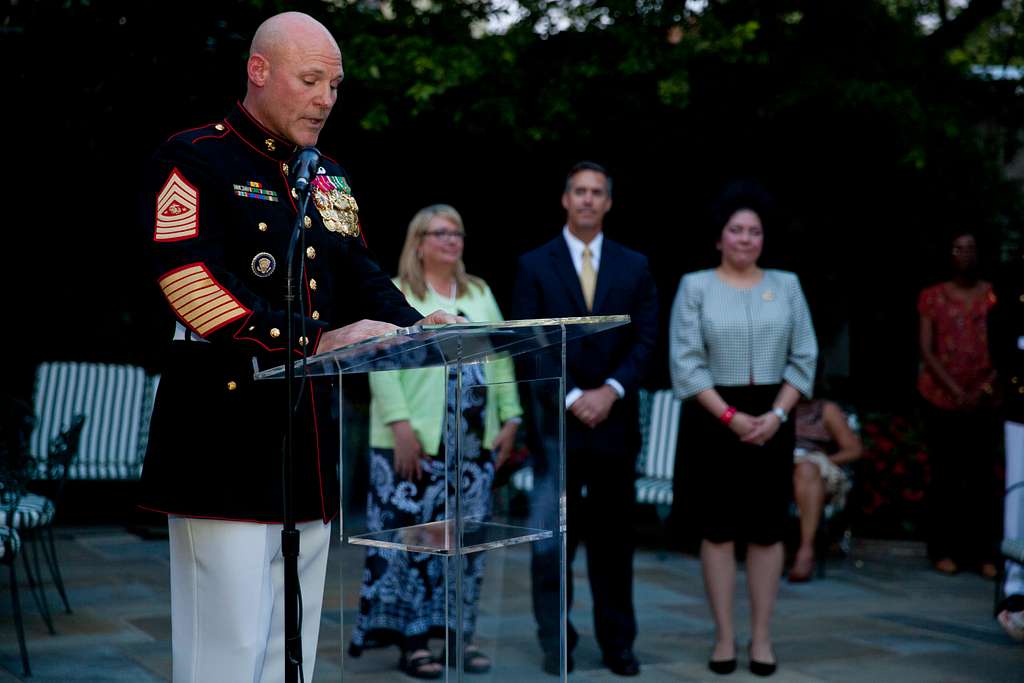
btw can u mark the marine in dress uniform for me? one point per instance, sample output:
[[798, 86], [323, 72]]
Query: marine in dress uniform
[[220, 206]]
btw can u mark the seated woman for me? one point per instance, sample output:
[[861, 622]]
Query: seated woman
[[824, 444]]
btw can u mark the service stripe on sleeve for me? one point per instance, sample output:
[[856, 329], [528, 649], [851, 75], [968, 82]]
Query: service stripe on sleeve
[[177, 210], [199, 300]]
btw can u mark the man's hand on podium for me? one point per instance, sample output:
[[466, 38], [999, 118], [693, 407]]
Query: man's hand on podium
[[350, 334], [440, 317]]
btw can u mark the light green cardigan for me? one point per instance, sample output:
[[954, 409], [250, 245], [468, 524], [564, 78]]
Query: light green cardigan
[[418, 395]]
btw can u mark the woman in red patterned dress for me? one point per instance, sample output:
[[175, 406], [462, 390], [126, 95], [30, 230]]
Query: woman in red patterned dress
[[956, 381]]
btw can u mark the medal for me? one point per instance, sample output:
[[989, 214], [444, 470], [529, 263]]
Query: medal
[[336, 205]]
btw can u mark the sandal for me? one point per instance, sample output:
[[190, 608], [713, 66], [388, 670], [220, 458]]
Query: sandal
[[420, 664], [474, 661]]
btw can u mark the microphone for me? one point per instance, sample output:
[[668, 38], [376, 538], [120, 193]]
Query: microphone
[[305, 167]]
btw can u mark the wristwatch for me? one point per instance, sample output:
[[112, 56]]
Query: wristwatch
[[781, 414]]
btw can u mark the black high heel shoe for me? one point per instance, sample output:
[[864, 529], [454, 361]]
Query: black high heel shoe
[[723, 666], [761, 668]]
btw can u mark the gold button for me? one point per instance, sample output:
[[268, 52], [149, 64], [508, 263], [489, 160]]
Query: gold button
[[312, 284], [219, 126], [315, 315], [1014, 380], [310, 252], [274, 332], [302, 341], [1020, 390], [1021, 298], [295, 193], [232, 385], [263, 227], [284, 168], [307, 221]]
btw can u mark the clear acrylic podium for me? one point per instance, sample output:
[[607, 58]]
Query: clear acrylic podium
[[489, 603]]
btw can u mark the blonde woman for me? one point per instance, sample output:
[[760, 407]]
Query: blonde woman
[[402, 600]]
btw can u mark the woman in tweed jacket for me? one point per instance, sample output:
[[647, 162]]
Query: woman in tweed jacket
[[742, 348]]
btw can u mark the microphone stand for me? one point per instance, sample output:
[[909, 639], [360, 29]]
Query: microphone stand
[[289, 534]]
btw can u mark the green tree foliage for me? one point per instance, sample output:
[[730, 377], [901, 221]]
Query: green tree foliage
[[863, 118]]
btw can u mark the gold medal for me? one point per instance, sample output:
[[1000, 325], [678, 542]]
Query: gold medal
[[337, 207]]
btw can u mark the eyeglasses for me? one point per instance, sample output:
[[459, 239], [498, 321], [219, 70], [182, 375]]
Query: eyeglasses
[[446, 234]]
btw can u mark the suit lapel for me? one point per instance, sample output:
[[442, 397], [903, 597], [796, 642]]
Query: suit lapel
[[562, 264], [606, 273]]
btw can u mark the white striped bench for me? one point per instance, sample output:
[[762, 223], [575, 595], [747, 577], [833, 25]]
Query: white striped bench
[[659, 431], [117, 401]]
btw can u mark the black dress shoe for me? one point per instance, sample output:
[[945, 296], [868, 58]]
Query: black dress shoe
[[722, 666], [761, 668], [553, 666], [623, 663]]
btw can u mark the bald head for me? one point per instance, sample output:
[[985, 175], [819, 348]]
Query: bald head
[[294, 71], [283, 32]]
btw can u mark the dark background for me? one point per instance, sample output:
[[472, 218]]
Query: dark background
[[872, 135]]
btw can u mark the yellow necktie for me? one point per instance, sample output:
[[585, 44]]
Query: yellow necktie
[[588, 278]]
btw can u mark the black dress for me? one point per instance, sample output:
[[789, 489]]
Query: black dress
[[729, 490]]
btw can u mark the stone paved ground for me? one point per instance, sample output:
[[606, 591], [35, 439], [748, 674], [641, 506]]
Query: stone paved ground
[[881, 615]]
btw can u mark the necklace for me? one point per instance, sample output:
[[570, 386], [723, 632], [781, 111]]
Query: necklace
[[451, 292]]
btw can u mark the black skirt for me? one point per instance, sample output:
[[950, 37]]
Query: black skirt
[[724, 489]]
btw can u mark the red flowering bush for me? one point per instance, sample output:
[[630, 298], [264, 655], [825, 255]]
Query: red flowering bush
[[891, 478]]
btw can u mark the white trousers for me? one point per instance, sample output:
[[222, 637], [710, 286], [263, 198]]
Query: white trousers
[[1013, 504], [227, 607]]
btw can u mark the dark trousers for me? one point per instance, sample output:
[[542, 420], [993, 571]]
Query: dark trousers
[[963, 503], [603, 520]]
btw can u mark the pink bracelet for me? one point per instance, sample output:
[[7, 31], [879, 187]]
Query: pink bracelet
[[727, 416]]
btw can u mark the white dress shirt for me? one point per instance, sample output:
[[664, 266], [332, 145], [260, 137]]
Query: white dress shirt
[[576, 247]]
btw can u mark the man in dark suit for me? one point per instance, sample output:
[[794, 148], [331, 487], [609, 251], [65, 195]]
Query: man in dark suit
[[580, 273]]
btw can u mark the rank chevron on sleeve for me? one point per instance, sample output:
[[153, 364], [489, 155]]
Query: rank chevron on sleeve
[[199, 300], [177, 210]]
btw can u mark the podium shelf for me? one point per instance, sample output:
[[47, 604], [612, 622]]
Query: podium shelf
[[438, 538]]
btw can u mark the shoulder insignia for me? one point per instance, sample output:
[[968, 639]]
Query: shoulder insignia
[[199, 300], [177, 210]]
